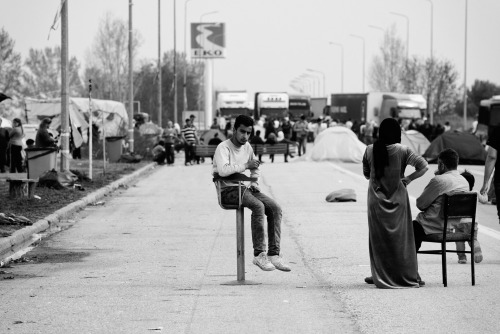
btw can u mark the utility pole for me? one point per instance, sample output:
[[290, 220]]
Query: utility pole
[[64, 89], [159, 66], [131, 81], [175, 66]]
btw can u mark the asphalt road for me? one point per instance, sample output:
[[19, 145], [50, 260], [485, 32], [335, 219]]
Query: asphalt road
[[154, 256]]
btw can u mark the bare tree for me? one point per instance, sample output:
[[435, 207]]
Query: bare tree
[[445, 87], [386, 68], [42, 76], [109, 57], [10, 65]]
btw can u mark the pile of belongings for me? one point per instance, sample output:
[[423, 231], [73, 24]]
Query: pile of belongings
[[57, 180], [12, 219], [341, 195]]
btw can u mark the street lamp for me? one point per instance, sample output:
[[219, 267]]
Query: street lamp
[[184, 86], [432, 26], [341, 64], [362, 39], [324, 79], [407, 32], [205, 14], [429, 102], [376, 27]]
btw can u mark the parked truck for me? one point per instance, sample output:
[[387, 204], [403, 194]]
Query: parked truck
[[230, 104], [271, 105], [319, 106], [299, 105], [377, 106]]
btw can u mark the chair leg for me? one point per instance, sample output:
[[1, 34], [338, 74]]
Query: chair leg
[[472, 260], [240, 244], [443, 264]]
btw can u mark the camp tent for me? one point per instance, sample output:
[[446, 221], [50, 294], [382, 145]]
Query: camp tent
[[415, 140], [206, 135], [468, 147], [110, 117], [338, 143]]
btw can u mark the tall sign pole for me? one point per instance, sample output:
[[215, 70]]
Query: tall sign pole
[[159, 66], [64, 89], [131, 81]]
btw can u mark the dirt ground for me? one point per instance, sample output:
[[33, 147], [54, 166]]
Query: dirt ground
[[49, 200]]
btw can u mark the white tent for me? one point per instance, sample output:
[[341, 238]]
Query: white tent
[[415, 140], [110, 117], [338, 143]]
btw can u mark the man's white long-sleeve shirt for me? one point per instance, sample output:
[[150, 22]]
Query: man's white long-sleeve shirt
[[230, 159]]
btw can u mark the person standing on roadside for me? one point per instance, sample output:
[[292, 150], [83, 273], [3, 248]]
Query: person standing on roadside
[[4, 143], [235, 155], [188, 134], [393, 258], [301, 129], [169, 135], [492, 166], [16, 146]]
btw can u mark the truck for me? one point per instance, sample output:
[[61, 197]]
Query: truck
[[377, 106], [230, 104], [272, 105], [299, 105], [319, 106]]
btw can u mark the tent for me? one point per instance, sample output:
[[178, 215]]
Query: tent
[[206, 135], [415, 140], [110, 117], [468, 147], [338, 143]]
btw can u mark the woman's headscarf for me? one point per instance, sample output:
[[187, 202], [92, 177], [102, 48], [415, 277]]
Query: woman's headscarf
[[389, 133]]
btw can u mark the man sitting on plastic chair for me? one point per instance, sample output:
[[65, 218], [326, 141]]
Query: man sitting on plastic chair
[[235, 155]]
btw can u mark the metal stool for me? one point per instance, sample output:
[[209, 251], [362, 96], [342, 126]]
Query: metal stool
[[240, 232]]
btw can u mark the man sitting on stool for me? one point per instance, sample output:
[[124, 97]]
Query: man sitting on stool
[[235, 155]]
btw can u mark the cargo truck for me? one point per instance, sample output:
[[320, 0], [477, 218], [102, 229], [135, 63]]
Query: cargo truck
[[230, 104], [299, 105], [377, 106], [271, 105]]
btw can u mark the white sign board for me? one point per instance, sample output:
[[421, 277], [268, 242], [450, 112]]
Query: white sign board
[[208, 40]]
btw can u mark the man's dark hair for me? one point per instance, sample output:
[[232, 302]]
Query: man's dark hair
[[470, 178], [188, 120], [243, 120], [449, 157]]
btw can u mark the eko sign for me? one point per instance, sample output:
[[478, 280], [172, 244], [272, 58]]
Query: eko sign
[[207, 40]]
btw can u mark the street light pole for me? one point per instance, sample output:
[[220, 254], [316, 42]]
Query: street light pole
[[429, 101], [341, 64], [324, 79], [407, 33], [184, 84], [465, 69], [159, 65], [363, 40], [175, 64]]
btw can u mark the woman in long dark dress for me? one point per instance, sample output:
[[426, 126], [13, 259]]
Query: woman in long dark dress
[[393, 258]]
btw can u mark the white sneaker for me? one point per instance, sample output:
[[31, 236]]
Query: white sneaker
[[262, 262], [278, 262]]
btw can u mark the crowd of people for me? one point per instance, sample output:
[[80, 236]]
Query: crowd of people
[[13, 144]]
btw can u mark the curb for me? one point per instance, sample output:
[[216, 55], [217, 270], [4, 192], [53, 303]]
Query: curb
[[25, 236]]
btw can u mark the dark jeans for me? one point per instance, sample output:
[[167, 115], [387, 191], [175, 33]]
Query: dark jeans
[[419, 234], [160, 158], [189, 152], [16, 159], [170, 153], [496, 185], [261, 205], [302, 144], [3, 158]]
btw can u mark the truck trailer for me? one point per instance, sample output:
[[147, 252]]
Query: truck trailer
[[377, 106], [230, 104], [271, 105]]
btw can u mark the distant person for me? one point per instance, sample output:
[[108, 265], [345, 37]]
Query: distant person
[[235, 155], [43, 137], [447, 180], [159, 153], [214, 124], [169, 138], [286, 127], [16, 146], [257, 140], [301, 130], [189, 136], [4, 143], [271, 140], [393, 259]]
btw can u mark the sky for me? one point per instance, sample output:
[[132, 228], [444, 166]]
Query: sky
[[269, 43]]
